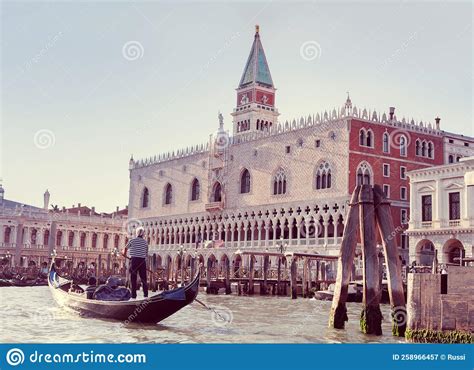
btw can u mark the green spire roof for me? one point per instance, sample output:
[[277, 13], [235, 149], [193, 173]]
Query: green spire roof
[[256, 69]]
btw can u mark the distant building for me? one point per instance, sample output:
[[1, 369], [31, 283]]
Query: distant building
[[28, 234], [269, 183], [442, 213], [457, 147]]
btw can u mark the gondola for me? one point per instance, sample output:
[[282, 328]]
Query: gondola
[[149, 310]]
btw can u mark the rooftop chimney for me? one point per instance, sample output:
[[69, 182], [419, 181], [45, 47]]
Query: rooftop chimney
[[117, 209], [391, 112], [437, 119], [93, 209]]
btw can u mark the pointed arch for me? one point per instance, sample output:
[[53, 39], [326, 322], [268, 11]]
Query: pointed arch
[[369, 139], [362, 137], [279, 182], [386, 142], [145, 198], [217, 192], [364, 174], [323, 176], [245, 181], [168, 194], [195, 189]]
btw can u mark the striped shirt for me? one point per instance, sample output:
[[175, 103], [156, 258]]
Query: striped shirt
[[137, 247]]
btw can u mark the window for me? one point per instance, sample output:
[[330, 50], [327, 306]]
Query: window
[[323, 176], [385, 143], [168, 194], [245, 182], [195, 190], [451, 141], [7, 234], [364, 174], [403, 216], [59, 236], [403, 172], [451, 159], [105, 241], [82, 241], [458, 159], [94, 240], [369, 138], [454, 206], [318, 143], [404, 240], [426, 208], [403, 193], [45, 237], [403, 146], [217, 192], [386, 190], [417, 147], [279, 182], [386, 170], [362, 137], [466, 144], [423, 149], [288, 149], [430, 150], [145, 198], [116, 241], [71, 239]]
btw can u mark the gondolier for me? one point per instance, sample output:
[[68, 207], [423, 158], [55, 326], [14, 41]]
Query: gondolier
[[137, 248]]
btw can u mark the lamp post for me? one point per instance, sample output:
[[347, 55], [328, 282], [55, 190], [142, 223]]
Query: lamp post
[[282, 247], [8, 257]]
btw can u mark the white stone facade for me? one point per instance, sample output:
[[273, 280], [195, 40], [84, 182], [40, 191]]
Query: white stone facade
[[446, 226]]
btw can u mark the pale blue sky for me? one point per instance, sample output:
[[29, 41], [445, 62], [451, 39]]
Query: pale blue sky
[[63, 70]]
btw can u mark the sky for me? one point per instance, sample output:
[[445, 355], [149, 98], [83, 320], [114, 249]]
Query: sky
[[84, 85]]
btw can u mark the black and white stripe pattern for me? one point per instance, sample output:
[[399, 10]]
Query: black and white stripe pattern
[[138, 247]]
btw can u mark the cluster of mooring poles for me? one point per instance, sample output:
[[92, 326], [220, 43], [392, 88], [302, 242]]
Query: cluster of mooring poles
[[369, 208]]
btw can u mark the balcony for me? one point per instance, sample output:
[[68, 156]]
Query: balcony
[[427, 224], [214, 206]]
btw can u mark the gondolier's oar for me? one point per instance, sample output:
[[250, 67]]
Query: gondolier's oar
[[197, 300]]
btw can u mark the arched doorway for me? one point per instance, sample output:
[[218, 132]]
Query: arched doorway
[[425, 252], [453, 250]]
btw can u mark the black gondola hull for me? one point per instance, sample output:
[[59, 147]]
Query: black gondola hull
[[151, 310]]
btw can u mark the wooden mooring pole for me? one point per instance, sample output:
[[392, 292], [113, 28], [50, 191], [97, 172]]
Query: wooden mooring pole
[[266, 261], [293, 278], [371, 316], [338, 315], [251, 274], [392, 261]]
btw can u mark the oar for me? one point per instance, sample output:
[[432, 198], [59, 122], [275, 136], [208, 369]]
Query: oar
[[197, 300]]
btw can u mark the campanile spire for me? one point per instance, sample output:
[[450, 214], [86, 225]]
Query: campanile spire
[[255, 109]]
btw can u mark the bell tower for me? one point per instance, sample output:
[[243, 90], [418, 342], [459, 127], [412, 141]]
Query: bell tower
[[255, 110]]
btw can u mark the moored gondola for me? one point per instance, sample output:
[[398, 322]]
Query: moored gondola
[[148, 310]]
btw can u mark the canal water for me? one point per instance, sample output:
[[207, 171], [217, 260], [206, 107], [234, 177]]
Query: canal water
[[30, 315]]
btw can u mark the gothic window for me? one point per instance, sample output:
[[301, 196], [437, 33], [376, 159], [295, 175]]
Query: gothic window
[[450, 159], [426, 214], [70, 241], [323, 176], [217, 192], [364, 174], [430, 150], [403, 146], [145, 198], [279, 182], [417, 147], [369, 138], [195, 189], [245, 182], [423, 149], [385, 143], [362, 137], [168, 194], [454, 206]]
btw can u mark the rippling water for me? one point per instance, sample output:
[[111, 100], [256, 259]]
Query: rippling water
[[30, 315]]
